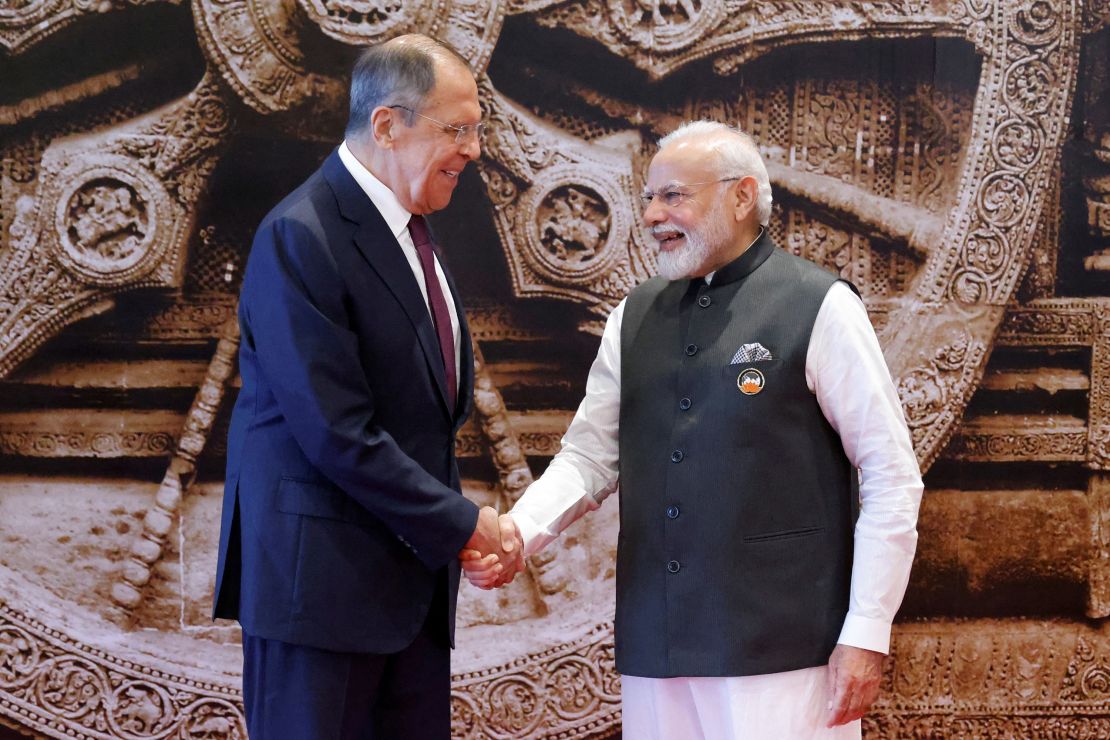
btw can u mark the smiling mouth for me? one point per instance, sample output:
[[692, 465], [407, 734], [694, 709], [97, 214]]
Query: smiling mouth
[[668, 239], [451, 173]]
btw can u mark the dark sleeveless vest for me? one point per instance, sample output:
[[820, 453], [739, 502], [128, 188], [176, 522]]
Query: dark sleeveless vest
[[737, 508]]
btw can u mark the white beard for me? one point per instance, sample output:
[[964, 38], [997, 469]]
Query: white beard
[[701, 244]]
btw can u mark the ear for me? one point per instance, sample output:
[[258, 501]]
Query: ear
[[745, 194], [382, 120]]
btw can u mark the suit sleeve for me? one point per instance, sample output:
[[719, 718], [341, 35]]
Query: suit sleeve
[[309, 356]]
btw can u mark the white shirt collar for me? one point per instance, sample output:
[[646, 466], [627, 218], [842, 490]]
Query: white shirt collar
[[395, 215]]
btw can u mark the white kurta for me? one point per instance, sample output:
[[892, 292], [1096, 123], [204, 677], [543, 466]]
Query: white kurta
[[775, 706], [846, 372]]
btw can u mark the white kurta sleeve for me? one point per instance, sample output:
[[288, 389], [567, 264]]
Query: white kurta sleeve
[[846, 371], [584, 472]]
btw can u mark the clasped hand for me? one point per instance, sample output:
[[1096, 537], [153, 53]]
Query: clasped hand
[[495, 552]]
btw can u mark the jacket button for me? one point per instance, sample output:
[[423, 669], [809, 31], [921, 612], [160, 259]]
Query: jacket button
[[674, 566], [704, 301], [672, 512], [676, 456], [691, 349], [685, 404]]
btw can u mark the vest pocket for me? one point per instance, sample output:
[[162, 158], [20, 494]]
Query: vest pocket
[[785, 534]]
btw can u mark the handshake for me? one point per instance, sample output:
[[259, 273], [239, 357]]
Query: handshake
[[494, 554]]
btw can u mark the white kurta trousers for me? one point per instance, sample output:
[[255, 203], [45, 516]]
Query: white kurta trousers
[[776, 706]]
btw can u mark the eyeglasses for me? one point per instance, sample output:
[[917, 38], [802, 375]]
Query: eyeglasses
[[462, 133], [675, 195]]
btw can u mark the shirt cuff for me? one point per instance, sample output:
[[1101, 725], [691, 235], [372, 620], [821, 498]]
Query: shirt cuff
[[529, 532], [866, 633]]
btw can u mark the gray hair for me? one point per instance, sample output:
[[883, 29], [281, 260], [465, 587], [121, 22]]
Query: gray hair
[[737, 156], [400, 71]]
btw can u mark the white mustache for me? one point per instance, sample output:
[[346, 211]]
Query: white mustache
[[657, 231]]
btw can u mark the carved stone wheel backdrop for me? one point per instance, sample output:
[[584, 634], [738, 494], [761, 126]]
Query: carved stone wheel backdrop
[[915, 147]]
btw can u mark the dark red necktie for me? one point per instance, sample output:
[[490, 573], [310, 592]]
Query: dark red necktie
[[441, 317]]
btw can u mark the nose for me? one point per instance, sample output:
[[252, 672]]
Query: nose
[[653, 213], [471, 147]]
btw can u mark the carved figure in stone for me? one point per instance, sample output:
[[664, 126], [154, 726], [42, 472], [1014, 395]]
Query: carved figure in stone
[[15, 654], [108, 221], [138, 713], [213, 727], [921, 396], [576, 226], [663, 12]]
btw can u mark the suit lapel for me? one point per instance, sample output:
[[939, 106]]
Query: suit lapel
[[380, 248]]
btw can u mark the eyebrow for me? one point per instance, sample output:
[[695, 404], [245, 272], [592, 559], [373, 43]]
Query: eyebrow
[[671, 185]]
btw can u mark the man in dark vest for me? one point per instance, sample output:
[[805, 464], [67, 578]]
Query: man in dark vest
[[768, 486]]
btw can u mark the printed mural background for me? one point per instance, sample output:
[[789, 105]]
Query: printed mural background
[[950, 157]]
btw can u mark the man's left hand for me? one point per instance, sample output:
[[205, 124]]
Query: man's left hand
[[854, 675]]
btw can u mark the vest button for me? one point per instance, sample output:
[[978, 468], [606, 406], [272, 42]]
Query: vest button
[[685, 404], [674, 566], [691, 349], [676, 456], [672, 512], [704, 301]]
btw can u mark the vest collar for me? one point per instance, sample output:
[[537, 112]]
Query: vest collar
[[746, 264]]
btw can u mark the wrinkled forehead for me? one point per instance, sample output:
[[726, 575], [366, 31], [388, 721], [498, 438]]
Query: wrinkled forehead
[[681, 163]]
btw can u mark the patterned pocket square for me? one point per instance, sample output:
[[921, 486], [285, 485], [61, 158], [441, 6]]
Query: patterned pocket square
[[753, 352]]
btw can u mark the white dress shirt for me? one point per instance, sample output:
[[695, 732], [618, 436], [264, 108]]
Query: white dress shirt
[[397, 219], [846, 371]]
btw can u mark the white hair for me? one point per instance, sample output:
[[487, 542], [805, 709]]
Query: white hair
[[737, 156]]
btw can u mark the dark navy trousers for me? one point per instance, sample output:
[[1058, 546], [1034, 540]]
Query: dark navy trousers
[[295, 692]]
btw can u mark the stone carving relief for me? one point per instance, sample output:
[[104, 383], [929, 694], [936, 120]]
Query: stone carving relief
[[1020, 677], [67, 689], [24, 23], [564, 209], [470, 26], [83, 444], [662, 36], [149, 547], [111, 211], [103, 225], [256, 48], [663, 25], [573, 686], [573, 224], [936, 221], [995, 220], [1052, 322], [1098, 420], [1098, 594]]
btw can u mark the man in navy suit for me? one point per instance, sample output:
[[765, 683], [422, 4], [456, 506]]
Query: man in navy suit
[[343, 518]]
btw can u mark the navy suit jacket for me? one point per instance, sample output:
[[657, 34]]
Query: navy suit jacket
[[342, 507]]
